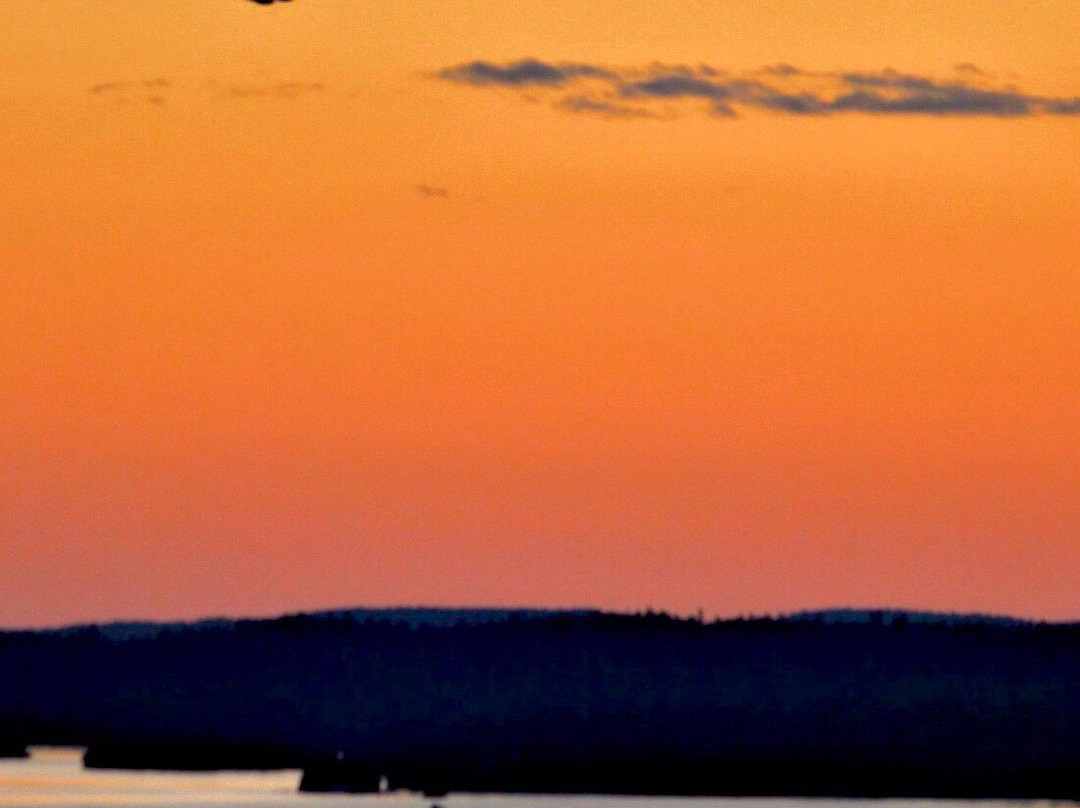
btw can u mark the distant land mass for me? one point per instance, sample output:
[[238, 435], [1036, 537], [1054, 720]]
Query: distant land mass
[[832, 703], [414, 616]]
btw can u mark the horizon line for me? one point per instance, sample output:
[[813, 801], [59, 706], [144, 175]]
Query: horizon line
[[794, 614]]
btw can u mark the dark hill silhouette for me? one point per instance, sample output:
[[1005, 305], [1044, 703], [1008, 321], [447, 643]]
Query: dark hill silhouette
[[414, 616], [888, 616], [851, 703]]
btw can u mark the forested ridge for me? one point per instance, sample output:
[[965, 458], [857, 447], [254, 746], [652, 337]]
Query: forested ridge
[[859, 703]]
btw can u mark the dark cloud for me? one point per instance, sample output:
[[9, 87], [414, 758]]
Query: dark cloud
[[658, 90], [524, 73], [1063, 106], [940, 100], [678, 86], [890, 79], [790, 103]]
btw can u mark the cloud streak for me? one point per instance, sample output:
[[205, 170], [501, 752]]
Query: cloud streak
[[523, 73], [157, 91], [283, 89], [669, 90], [432, 191]]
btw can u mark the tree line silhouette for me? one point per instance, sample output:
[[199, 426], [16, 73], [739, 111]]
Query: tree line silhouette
[[835, 704]]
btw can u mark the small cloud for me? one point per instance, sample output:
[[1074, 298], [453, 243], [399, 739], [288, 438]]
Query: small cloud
[[108, 87], [293, 89], [124, 93], [243, 91], [523, 73], [285, 89], [432, 191], [677, 86], [782, 69]]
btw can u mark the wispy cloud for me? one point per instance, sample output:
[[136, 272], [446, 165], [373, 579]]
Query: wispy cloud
[[104, 87], [668, 90], [283, 89], [432, 191], [605, 108], [151, 91], [156, 91]]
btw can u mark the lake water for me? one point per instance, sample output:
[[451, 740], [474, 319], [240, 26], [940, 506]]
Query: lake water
[[56, 778]]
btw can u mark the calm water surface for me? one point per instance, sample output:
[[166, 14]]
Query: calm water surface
[[56, 778]]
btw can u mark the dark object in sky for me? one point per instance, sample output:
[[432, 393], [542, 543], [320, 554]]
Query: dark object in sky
[[269, 2]]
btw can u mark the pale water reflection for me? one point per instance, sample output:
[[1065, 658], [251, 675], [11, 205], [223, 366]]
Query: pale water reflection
[[56, 778]]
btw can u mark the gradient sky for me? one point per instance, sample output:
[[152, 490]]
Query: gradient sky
[[740, 305]]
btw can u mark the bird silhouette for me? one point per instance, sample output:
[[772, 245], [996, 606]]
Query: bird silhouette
[[269, 2]]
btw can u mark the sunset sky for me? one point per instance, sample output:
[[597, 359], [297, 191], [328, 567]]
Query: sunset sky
[[742, 305]]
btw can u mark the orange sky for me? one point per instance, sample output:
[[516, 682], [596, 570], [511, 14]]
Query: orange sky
[[288, 321]]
